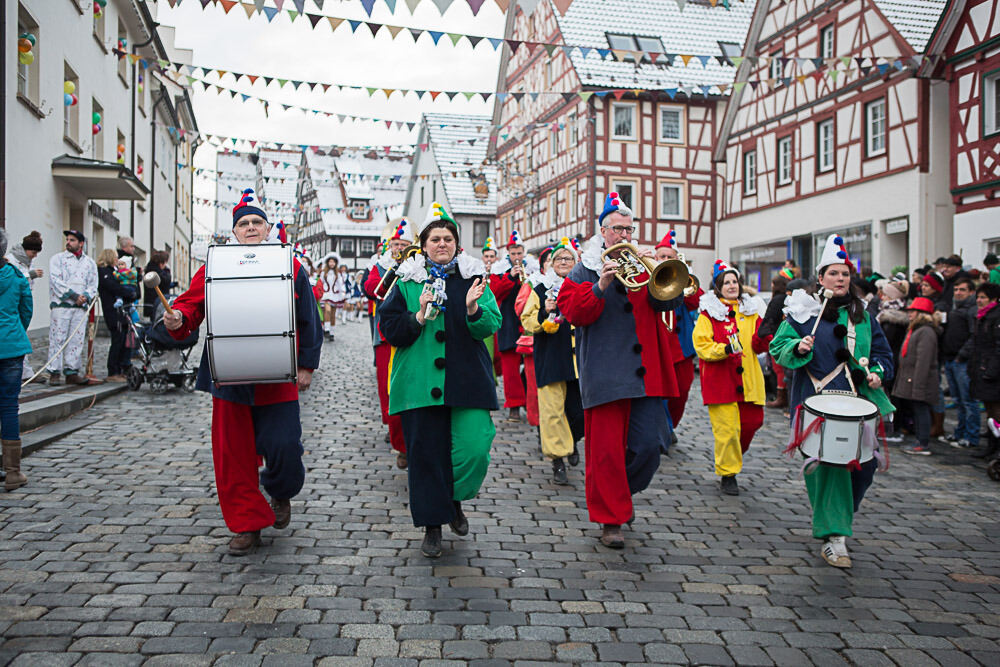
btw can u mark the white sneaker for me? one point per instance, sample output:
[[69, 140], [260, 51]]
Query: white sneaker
[[835, 552], [994, 427]]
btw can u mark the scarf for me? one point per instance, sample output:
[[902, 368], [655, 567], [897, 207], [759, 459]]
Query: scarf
[[438, 274], [983, 311]]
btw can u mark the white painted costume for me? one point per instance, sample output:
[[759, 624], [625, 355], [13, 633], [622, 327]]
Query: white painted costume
[[69, 277]]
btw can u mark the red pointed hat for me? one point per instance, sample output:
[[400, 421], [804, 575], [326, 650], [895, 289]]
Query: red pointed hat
[[515, 239], [668, 241]]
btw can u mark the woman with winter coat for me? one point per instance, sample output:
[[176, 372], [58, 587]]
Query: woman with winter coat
[[15, 315], [21, 255], [982, 351], [917, 374], [441, 383], [110, 291]]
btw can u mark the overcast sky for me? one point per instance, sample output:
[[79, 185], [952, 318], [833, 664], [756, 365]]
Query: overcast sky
[[293, 50]]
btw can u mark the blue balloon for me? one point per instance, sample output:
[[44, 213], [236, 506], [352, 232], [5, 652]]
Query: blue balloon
[[67, 99]]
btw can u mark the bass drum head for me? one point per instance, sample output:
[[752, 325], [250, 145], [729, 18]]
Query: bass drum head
[[846, 407]]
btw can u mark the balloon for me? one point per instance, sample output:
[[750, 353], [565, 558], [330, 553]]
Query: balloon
[[102, 3], [69, 87], [121, 148], [138, 170], [26, 58], [23, 45], [97, 118], [67, 99], [121, 159], [140, 89], [28, 36], [75, 100], [96, 128]]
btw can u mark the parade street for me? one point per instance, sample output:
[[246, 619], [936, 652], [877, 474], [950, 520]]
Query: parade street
[[115, 553]]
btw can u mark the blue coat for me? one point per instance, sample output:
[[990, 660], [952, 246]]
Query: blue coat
[[15, 312]]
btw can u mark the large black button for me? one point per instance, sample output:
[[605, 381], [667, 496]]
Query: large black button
[[840, 331], [739, 389], [637, 348], [439, 362], [440, 336], [641, 371], [732, 313], [436, 393], [628, 306], [739, 369]]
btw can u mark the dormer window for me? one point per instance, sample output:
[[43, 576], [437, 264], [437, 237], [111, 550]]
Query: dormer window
[[359, 209], [645, 44], [730, 50]]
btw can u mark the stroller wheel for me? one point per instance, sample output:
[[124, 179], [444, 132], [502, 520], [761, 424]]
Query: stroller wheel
[[993, 470], [134, 378], [159, 385], [189, 383]]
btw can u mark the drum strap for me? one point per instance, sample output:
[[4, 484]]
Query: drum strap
[[820, 385]]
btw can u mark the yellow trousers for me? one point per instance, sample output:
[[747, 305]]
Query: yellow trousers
[[553, 424], [733, 425]]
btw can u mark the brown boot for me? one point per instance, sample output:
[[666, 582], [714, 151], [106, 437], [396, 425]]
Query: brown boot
[[12, 465], [244, 543], [612, 536], [780, 399], [282, 513], [401, 461], [76, 378], [937, 424]]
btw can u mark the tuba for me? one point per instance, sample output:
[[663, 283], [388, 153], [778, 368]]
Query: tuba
[[666, 280], [390, 275]]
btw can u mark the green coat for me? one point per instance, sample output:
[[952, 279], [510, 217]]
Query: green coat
[[444, 362]]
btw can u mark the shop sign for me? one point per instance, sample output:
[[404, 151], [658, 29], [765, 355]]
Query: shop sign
[[897, 225]]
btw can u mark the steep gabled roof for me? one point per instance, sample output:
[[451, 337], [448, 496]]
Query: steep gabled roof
[[914, 19], [697, 30], [450, 136]]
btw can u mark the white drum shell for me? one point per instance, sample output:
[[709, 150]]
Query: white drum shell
[[841, 438], [250, 313]]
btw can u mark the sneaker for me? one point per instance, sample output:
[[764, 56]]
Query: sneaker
[[835, 552], [994, 427], [961, 443], [559, 472], [896, 437], [431, 546], [947, 439], [729, 486], [919, 450]]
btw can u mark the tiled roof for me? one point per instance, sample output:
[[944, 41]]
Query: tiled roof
[[914, 19], [697, 30], [449, 136]]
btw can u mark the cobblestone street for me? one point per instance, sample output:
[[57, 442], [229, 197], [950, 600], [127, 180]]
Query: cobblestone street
[[115, 553]]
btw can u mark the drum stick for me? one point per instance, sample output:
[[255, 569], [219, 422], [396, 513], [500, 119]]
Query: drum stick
[[827, 295], [152, 280]]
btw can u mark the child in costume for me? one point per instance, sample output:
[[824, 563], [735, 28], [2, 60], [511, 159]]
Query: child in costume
[[732, 383]]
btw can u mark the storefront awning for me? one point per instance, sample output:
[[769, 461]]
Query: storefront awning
[[96, 179]]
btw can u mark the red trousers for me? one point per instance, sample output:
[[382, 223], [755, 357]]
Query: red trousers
[[684, 370], [779, 373], [513, 386], [383, 353], [532, 391], [241, 435], [623, 443]]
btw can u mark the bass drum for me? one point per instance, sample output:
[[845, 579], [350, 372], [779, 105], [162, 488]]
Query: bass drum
[[848, 430], [250, 314]]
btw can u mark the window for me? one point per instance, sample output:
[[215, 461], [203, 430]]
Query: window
[[875, 125], [623, 121], [140, 93], [824, 145], [421, 195], [359, 209], [750, 172], [671, 197], [573, 136], [367, 247], [647, 45], [97, 140], [122, 45], [672, 124], [553, 210], [347, 247], [548, 74], [71, 114], [28, 75], [991, 103], [480, 232], [140, 170], [774, 69], [730, 50], [434, 190], [624, 190], [826, 47], [99, 27], [553, 143], [784, 160], [571, 204]]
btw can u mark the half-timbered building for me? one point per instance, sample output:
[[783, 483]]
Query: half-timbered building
[[836, 131], [635, 110]]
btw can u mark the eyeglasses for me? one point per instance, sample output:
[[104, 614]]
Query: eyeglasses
[[621, 229], [568, 260], [243, 224]]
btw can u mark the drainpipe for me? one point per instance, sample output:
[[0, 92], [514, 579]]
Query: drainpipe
[[593, 164], [152, 174], [131, 143]]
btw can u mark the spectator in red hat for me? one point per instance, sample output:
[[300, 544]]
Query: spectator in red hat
[[917, 379], [932, 287]]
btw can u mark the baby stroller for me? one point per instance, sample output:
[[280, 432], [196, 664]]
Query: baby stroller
[[159, 359]]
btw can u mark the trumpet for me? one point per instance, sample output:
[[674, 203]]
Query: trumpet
[[390, 275], [665, 281], [518, 264]]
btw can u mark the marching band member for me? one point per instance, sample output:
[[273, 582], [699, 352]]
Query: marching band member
[[489, 259], [400, 239], [506, 278], [559, 404], [441, 386], [625, 373], [526, 342], [251, 420], [848, 353], [732, 383], [489, 254], [329, 277], [681, 328]]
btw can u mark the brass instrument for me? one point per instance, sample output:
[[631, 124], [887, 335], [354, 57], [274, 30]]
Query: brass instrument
[[666, 280], [407, 252], [519, 263], [693, 285]]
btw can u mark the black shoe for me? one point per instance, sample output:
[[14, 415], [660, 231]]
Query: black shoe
[[432, 542], [282, 513], [729, 486], [574, 458], [559, 472], [459, 525]]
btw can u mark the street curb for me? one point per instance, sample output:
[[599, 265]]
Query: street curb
[[45, 411], [46, 435]]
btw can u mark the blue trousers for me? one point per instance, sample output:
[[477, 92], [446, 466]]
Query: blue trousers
[[10, 389], [957, 373]]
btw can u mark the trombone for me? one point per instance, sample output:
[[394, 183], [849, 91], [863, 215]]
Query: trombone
[[665, 281], [390, 275]]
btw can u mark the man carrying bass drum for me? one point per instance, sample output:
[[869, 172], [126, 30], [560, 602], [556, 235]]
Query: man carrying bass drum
[[251, 420], [847, 353]]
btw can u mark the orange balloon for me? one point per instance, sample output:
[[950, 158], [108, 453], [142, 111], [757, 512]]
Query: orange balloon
[[23, 45]]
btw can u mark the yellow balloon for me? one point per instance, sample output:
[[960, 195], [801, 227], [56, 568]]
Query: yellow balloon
[[69, 87], [26, 58]]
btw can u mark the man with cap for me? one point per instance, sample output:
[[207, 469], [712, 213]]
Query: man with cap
[[72, 286], [952, 273], [624, 359], [255, 420], [506, 278], [401, 237]]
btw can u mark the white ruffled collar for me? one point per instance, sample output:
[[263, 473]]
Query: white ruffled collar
[[712, 306], [414, 269], [591, 255], [500, 267], [801, 306]]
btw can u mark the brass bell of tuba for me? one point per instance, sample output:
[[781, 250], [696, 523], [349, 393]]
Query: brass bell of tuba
[[390, 275], [666, 280]]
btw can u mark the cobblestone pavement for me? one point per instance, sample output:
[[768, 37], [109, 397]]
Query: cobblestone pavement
[[115, 553]]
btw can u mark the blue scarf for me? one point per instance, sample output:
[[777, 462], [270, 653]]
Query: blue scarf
[[438, 274]]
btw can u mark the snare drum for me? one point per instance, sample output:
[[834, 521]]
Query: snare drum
[[847, 432], [250, 313]]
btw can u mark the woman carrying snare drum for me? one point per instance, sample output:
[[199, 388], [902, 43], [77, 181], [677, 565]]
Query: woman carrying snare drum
[[437, 316], [848, 353]]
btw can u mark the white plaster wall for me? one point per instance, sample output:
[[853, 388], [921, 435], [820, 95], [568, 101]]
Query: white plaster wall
[[973, 231]]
